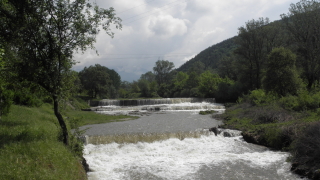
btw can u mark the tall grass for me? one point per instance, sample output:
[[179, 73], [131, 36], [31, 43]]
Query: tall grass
[[30, 149]]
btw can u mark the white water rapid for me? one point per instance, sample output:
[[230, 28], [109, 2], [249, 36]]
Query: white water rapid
[[179, 156]]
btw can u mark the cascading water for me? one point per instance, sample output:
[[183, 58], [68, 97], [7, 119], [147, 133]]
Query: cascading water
[[177, 145]]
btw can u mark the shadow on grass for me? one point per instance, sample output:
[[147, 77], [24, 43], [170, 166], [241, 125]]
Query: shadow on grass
[[12, 124], [13, 132]]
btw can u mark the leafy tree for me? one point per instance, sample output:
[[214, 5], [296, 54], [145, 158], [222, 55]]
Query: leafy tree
[[96, 80], [149, 76], [255, 42], [5, 94], [227, 67], [208, 83], [281, 76], [180, 81], [193, 80], [144, 88], [303, 23], [45, 34], [115, 78], [162, 70]]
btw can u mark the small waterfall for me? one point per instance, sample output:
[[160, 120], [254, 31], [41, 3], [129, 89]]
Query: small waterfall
[[143, 137], [152, 137], [142, 102]]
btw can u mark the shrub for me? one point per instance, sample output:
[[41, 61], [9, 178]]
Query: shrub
[[259, 97], [307, 148], [289, 102], [304, 101]]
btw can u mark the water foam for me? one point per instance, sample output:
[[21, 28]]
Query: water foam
[[179, 159], [185, 106]]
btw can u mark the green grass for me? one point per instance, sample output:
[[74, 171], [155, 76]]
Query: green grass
[[30, 149], [30, 146]]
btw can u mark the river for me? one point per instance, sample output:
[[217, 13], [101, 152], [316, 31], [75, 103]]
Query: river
[[175, 144]]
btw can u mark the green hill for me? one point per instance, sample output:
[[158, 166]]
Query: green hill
[[211, 56]]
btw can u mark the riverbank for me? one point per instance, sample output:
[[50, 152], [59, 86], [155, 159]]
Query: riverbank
[[272, 126], [30, 147]]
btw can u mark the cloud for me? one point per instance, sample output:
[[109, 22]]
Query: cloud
[[166, 26], [173, 30]]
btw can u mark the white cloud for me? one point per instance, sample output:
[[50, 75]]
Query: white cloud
[[172, 29], [166, 26]]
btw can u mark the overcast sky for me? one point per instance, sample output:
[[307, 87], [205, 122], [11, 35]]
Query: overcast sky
[[173, 30]]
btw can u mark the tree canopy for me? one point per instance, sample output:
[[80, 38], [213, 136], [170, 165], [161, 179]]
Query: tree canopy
[[161, 70], [303, 23], [100, 81]]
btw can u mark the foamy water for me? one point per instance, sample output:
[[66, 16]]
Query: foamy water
[[205, 157], [186, 106], [191, 158]]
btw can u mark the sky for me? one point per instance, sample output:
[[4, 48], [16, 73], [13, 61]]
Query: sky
[[173, 30]]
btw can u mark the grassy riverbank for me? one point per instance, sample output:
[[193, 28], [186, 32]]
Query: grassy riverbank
[[30, 146], [272, 123]]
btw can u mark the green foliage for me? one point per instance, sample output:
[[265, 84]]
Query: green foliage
[[161, 70], [260, 97], [6, 94], [303, 25], [281, 76], [303, 102], [95, 79], [255, 41], [211, 85], [209, 57], [180, 81], [208, 84]]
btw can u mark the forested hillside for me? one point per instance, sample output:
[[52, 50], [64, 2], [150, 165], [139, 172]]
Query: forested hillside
[[211, 56]]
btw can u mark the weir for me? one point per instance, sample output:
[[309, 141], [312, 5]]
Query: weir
[[152, 137], [142, 102]]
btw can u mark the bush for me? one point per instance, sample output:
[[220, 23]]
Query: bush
[[304, 101], [289, 102], [259, 97], [307, 148]]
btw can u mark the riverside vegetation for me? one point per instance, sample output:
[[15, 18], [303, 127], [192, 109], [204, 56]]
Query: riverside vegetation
[[288, 123], [30, 142]]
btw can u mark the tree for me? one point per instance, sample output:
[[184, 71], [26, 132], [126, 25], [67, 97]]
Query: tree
[[44, 35], [5, 94], [162, 70], [180, 81], [208, 83], [149, 76], [115, 77], [96, 80], [281, 76], [303, 23], [255, 40]]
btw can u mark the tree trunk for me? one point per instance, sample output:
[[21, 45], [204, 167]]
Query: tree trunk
[[61, 121]]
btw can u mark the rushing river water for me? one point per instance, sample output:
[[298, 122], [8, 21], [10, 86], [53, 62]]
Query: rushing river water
[[177, 145]]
